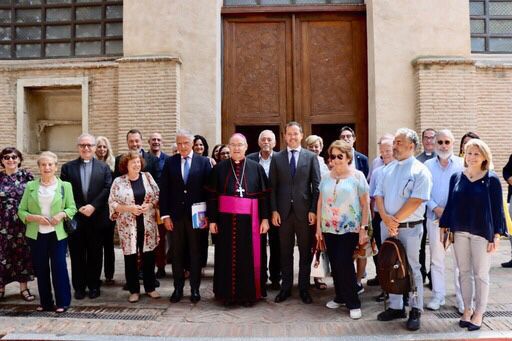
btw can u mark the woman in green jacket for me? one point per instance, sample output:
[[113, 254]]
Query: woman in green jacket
[[46, 202]]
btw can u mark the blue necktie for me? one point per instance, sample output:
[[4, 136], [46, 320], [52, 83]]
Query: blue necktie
[[293, 165], [186, 169]]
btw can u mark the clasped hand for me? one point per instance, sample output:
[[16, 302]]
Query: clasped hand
[[140, 209]]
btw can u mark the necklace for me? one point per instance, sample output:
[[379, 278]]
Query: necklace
[[335, 193], [240, 190]]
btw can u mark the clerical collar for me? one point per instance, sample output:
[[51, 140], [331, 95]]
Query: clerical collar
[[428, 153], [85, 161], [239, 162]]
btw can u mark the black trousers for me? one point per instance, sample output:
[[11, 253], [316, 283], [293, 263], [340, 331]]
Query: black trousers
[[205, 233], [274, 259], [340, 249], [291, 227], [422, 248], [108, 250], [186, 248], [148, 267], [85, 249]]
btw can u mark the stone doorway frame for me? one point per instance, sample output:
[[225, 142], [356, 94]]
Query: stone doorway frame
[[21, 105]]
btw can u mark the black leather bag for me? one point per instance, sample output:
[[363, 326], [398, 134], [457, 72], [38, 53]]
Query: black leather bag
[[70, 225]]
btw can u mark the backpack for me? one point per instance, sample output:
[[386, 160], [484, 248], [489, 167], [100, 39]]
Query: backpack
[[393, 269]]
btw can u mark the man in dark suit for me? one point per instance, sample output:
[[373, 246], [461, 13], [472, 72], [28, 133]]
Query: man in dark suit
[[182, 184], [91, 180], [360, 160], [294, 177], [267, 142], [155, 142], [134, 141]]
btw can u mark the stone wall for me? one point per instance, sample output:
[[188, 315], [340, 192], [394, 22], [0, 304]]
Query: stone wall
[[467, 94], [126, 93]]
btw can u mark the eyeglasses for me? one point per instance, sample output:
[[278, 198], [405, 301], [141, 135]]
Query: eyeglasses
[[83, 146], [441, 142], [10, 157], [346, 136], [238, 145], [337, 156], [429, 137]]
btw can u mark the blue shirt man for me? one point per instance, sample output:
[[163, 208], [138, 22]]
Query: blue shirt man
[[401, 193]]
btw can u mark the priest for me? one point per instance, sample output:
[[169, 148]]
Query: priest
[[238, 213]]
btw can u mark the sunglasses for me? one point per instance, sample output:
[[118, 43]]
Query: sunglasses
[[10, 157], [337, 156], [441, 142]]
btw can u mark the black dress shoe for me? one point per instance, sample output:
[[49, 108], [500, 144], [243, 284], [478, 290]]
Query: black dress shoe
[[176, 296], [274, 286], [93, 293], [80, 294], [125, 287], [194, 296], [282, 296], [305, 297], [472, 327], [157, 283], [160, 273], [464, 324], [373, 282], [507, 264], [391, 314], [413, 322]]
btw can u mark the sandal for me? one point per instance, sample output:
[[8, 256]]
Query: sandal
[[27, 296], [61, 310], [40, 309], [319, 284], [134, 298]]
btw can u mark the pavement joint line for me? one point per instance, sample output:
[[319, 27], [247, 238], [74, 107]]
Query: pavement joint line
[[462, 335]]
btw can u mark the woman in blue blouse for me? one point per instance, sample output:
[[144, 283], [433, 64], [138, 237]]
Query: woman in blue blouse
[[474, 212], [343, 207]]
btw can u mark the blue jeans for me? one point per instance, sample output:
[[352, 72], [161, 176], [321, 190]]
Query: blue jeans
[[46, 250]]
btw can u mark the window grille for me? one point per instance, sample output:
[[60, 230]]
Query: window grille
[[31, 29], [289, 2], [491, 26]]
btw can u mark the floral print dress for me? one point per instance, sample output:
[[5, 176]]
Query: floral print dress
[[15, 261], [341, 208]]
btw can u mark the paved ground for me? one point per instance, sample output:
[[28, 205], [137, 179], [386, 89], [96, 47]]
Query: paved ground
[[111, 317]]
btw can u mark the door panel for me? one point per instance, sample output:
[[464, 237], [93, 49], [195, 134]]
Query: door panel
[[310, 68], [257, 72]]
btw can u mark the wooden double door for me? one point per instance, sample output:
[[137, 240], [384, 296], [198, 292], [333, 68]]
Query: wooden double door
[[306, 67]]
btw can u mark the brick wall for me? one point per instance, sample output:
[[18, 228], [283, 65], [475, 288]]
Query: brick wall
[[467, 94], [126, 93]]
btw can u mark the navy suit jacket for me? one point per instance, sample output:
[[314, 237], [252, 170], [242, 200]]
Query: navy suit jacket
[[176, 197], [361, 162]]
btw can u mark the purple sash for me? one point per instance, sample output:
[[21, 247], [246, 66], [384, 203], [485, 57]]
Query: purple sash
[[236, 205]]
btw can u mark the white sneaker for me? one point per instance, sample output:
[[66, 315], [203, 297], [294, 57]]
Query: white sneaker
[[355, 314], [435, 303], [333, 305]]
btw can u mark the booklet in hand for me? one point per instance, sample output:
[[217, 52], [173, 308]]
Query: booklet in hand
[[199, 215]]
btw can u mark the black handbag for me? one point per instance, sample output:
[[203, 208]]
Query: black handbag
[[70, 225]]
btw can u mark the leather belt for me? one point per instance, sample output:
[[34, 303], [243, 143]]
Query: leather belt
[[410, 224]]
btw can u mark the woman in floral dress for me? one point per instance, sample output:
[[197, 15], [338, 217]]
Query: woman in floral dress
[[15, 263]]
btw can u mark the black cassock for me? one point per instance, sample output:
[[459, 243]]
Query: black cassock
[[235, 279]]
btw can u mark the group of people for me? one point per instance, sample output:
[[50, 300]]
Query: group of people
[[279, 198]]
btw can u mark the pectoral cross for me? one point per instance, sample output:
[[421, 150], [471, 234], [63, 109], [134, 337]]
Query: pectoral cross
[[240, 191]]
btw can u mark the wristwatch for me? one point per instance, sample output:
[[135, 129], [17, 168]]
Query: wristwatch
[[365, 227]]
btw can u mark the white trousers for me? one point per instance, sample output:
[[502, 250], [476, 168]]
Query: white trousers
[[411, 239], [474, 265], [437, 268]]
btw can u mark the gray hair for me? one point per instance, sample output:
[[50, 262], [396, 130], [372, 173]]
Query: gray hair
[[85, 135], [446, 132], [47, 155], [267, 131], [386, 137], [185, 133], [410, 134]]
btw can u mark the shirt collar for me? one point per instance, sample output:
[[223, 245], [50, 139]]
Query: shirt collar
[[297, 149], [406, 161], [269, 157], [189, 155]]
